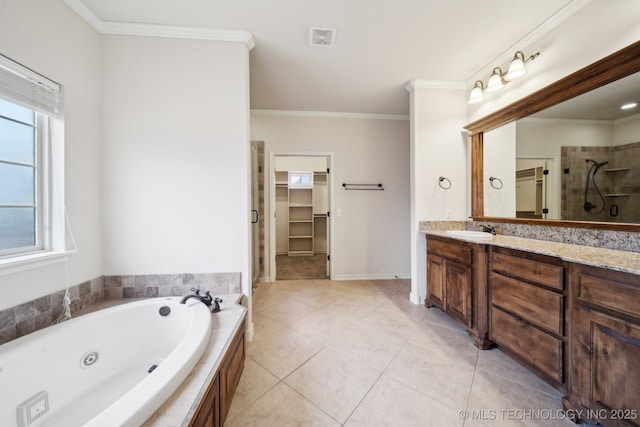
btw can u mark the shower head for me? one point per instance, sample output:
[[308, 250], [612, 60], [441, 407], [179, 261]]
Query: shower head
[[596, 164]]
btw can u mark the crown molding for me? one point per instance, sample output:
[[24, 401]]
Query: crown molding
[[434, 84], [156, 30], [556, 19], [328, 115]]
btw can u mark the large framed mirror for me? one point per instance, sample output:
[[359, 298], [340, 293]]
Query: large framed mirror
[[579, 179]]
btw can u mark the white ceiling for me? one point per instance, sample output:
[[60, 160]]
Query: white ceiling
[[380, 44]]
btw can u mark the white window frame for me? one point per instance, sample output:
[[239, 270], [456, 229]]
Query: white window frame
[[49, 179]]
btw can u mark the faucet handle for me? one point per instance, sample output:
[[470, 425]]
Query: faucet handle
[[216, 305], [195, 291]]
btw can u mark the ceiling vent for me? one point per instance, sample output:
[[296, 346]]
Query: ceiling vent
[[322, 37]]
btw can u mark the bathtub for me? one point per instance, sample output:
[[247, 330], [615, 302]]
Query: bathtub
[[113, 367]]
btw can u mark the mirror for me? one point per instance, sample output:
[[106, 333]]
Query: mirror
[[576, 160]]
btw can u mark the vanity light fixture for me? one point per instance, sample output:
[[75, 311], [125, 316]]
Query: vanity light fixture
[[495, 81], [498, 79], [476, 93]]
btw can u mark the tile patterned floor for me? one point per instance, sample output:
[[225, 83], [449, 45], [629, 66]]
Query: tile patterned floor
[[358, 353]]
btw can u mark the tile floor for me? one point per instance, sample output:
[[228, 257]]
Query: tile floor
[[358, 353]]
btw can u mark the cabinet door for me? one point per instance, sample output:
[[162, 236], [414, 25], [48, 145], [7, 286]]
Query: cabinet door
[[458, 291], [230, 372], [209, 413], [435, 281], [608, 359]]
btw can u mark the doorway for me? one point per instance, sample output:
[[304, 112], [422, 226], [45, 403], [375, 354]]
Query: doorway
[[536, 188], [300, 208]]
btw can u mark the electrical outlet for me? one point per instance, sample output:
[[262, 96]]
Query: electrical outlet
[[338, 212], [448, 213]]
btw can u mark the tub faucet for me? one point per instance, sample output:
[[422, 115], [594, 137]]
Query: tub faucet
[[205, 299]]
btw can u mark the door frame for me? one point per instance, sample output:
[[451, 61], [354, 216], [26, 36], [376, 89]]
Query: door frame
[[271, 277], [554, 201]]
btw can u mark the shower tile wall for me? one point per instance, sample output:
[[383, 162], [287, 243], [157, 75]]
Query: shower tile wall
[[621, 187], [42, 312]]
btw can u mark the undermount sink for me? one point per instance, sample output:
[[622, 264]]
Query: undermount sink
[[469, 234]]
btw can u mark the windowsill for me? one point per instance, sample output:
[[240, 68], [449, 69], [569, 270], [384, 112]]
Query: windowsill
[[32, 261]]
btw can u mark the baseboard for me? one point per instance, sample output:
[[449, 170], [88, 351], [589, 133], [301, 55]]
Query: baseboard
[[378, 276], [415, 298]]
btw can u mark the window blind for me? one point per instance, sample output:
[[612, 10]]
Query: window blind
[[23, 86]]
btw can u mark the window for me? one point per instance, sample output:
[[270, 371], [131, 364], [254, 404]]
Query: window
[[31, 219], [20, 165], [300, 179]]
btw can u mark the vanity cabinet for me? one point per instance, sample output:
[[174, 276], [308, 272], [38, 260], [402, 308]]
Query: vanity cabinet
[[527, 294], [456, 283], [605, 342], [230, 372], [214, 406]]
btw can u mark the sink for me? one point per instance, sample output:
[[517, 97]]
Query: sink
[[469, 234]]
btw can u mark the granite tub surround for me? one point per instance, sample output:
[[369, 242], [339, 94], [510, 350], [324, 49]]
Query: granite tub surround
[[37, 314], [166, 285]]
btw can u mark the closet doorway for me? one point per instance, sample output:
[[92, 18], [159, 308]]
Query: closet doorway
[[300, 234]]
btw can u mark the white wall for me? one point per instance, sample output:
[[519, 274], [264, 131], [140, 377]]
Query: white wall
[[500, 162], [595, 31], [626, 131], [439, 147], [51, 39], [176, 156], [370, 239], [301, 164]]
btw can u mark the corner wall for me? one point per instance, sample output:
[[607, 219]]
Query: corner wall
[[176, 157], [439, 148]]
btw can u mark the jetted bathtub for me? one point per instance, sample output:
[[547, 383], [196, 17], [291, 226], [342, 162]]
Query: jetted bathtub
[[112, 367]]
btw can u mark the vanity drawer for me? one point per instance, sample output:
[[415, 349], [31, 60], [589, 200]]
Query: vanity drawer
[[539, 306], [455, 251], [612, 290], [529, 269], [538, 349]]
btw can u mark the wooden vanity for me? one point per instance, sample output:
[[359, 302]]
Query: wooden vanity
[[214, 406], [576, 326], [456, 272]]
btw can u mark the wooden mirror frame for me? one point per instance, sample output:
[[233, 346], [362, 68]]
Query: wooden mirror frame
[[611, 68]]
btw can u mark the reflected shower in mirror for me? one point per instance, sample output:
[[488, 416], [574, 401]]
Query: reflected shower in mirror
[[578, 160]]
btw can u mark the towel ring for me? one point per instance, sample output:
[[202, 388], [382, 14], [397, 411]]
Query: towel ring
[[493, 178], [441, 180]]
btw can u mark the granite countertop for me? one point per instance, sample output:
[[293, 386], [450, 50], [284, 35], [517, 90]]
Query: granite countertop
[[625, 261]]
